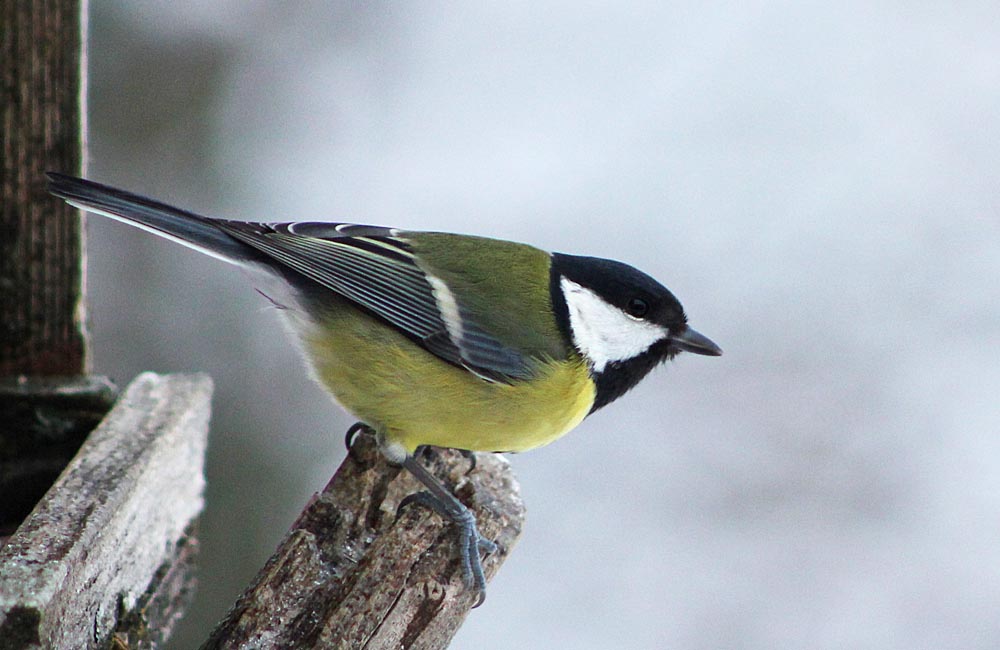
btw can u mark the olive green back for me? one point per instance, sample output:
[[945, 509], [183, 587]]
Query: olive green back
[[504, 285]]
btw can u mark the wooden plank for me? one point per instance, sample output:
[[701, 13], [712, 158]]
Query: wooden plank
[[41, 239], [97, 546], [351, 574]]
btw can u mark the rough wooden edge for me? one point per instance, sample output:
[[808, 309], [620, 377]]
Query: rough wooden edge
[[95, 545], [350, 574]]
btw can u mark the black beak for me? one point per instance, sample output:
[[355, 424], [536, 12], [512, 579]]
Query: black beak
[[691, 341]]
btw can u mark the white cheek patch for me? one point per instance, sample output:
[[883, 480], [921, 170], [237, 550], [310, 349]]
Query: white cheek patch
[[602, 332]]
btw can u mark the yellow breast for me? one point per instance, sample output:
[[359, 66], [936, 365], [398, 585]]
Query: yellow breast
[[412, 398]]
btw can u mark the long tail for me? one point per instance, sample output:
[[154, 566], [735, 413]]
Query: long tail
[[187, 228]]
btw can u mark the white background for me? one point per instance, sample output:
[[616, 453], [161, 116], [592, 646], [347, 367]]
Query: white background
[[817, 182]]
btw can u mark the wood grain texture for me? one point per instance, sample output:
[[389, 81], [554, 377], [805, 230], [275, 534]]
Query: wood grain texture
[[99, 554], [41, 239], [351, 574]]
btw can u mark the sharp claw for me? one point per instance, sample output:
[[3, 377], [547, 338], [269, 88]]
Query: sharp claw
[[486, 545], [425, 499], [471, 457], [355, 430]]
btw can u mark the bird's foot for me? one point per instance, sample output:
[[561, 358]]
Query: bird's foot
[[470, 541]]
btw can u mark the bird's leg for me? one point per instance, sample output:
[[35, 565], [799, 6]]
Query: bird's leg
[[471, 542], [438, 498]]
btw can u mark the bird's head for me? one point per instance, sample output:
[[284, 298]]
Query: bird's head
[[621, 321]]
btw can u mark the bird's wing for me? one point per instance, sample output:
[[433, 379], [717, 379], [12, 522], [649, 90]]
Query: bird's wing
[[375, 268]]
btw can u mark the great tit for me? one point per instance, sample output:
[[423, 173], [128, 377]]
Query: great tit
[[431, 338]]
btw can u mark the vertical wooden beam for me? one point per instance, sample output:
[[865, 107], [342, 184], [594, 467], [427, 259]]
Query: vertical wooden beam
[[42, 89]]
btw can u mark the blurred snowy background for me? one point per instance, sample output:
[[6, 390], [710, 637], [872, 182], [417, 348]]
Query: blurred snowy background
[[819, 183]]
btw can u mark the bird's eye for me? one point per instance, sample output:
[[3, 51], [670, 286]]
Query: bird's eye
[[637, 307]]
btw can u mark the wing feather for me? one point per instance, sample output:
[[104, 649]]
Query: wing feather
[[374, 268]]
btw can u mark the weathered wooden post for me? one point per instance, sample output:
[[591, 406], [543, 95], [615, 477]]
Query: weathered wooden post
[[103, 552]]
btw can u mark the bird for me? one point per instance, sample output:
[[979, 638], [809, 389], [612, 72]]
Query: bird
[[438, 339]]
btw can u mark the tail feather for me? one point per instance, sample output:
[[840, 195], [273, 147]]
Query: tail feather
[[181, 226]]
